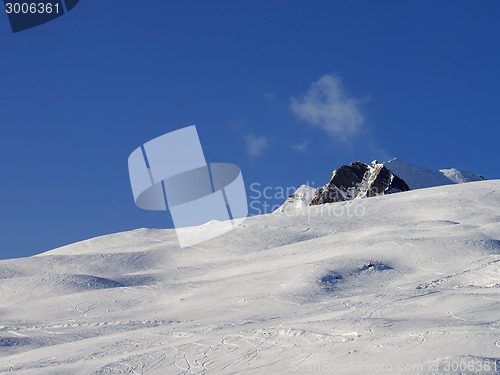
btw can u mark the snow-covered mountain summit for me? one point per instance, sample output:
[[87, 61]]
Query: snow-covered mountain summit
[[459, 176], [360, 180], [355, 181], [302, 197], [418, 177]]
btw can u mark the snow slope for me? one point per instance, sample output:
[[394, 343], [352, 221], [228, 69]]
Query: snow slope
[[459, 177], [404, 283], [418, 177], [302, 197]]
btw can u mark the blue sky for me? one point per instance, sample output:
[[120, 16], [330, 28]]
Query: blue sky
[[287, 90]]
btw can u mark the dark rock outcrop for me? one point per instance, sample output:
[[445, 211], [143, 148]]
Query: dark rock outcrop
[[343, 185], [358, 180]]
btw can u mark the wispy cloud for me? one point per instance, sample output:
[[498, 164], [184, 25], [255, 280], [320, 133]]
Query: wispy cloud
[[301, 147], [327, 105], [256, 145], [269, 96]]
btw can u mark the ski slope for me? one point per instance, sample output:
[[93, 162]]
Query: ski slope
[[404, 283]]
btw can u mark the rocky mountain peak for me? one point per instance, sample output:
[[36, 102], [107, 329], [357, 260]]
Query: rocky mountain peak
[[358, 180]]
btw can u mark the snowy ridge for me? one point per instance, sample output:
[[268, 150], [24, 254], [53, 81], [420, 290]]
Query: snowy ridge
[[419, 178], [459, 177], [402, 279], [355, 181], [379, 180], [366, 182], [302, 197], [342, 188]]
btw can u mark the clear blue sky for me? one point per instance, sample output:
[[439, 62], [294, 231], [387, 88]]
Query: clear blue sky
[[288, 90]]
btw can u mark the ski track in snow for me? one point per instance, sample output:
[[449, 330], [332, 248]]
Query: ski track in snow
[[415, 281]]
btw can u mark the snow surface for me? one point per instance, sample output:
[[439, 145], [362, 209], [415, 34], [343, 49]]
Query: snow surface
[[460, 177], [418, 177], [404, 283], [302, 197]]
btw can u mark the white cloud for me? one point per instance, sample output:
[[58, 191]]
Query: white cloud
[[301, 147], [326, 105], [256, 145]]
